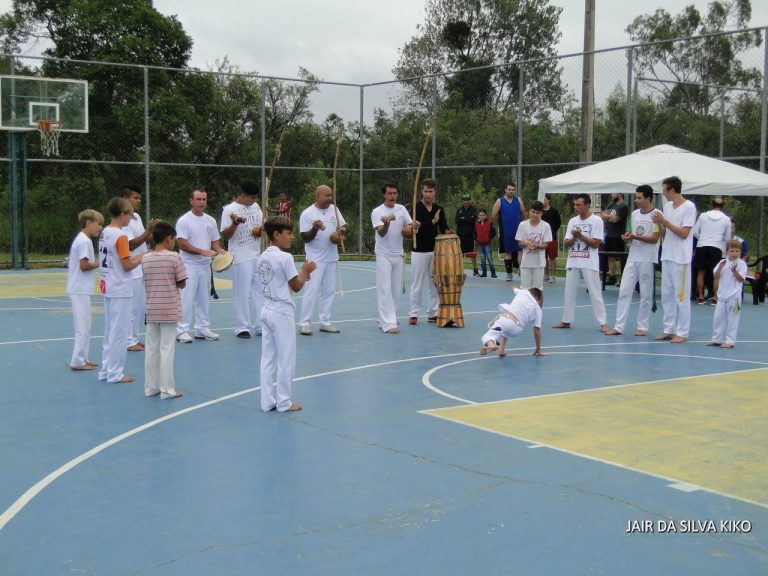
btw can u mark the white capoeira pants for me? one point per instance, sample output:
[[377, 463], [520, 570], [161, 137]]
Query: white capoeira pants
[[725, 323], [137, 311], [631, 274], [592, 281], [676, 298], [158, 359], [389, 279], [502, 326], [278, 359], [322, 284], [245, 282], [81, 316], [195, 300], [532, 278], [421, 274], [117, 329]]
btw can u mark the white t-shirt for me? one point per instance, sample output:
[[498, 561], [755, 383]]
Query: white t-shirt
[[135, 229], [391, 244], [729, 287], [275, 269], [115, 281], [79, 282], [713, 229], [676, 249], [539, 235], [643, 225], [243, 244], [320, 248], [200, 231], [581, 255], [525, 308]]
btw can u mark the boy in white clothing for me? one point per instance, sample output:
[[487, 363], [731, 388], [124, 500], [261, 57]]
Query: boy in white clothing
[[117, 287], [524, 309], [80, 276], [534, 236], [730, 272], [278, 276]]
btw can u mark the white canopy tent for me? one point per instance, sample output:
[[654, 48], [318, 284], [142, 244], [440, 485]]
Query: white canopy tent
[[701, 175]]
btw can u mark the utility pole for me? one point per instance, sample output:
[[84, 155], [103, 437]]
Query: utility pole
[[588, 92]]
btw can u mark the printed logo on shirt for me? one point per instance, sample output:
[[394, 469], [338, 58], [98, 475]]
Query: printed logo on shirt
[[580, 249], [266, 274]]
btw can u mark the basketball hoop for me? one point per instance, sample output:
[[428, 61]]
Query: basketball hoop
[[50, 130]]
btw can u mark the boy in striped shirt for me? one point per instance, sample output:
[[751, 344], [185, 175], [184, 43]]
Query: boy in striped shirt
[[164, 275]]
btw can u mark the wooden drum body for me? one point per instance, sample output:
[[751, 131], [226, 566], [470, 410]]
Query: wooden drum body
[[448, 276]]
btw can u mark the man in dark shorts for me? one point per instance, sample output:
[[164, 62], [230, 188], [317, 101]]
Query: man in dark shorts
[[615, 221], [466, 216], [712, 231]]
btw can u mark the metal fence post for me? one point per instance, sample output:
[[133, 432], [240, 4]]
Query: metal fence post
[[434, 132], [763, 129], [361, 179], [520, 115], [628, 111], [147, 193], [263, 136], [722, 123]]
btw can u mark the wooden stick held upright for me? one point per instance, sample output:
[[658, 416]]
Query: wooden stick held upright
[[335, 206], [428, 137], [268, 181]]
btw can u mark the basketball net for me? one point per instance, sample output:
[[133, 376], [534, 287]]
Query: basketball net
[[50, 130]]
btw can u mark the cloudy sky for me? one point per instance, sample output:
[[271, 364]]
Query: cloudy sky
[[357, 41]]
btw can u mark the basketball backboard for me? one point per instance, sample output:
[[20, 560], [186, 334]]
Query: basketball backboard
[[25, 100]]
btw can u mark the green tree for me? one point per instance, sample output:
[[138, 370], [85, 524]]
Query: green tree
[[695, 66], [459, 35]]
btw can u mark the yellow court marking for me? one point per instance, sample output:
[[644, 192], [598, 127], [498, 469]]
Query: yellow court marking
[[44, 284], [710, 431]]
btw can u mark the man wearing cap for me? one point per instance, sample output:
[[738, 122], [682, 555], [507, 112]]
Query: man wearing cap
[[712, 230], [466, 216]]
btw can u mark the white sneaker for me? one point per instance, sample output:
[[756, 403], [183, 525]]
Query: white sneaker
[[184, 337], [305, 330], [331, 329], [509, 277], [206, 335]]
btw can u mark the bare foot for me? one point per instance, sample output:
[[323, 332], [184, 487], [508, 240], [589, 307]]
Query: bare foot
[[640, 333], [713, 344], [502, 354], [664, 336], [604, 328], [678, 340], [394, 330], [125, 379], [612, 332], [562, 325], [83, 367], [294, 408], [726, 345], [177, 395]]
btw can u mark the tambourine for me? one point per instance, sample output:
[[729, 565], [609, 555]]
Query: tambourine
[[222, 261]]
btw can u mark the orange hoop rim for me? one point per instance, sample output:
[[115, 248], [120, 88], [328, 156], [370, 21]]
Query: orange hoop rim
[[48, 125]]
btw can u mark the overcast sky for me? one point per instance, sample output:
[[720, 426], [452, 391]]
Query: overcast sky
[[357, 41]]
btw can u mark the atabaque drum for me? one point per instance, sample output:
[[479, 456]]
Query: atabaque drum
[[448, 260]]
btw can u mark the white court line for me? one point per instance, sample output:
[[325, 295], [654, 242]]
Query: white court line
[[27, 497]]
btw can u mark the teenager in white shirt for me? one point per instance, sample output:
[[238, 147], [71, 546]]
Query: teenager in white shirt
[[534, 236], [676, 222]]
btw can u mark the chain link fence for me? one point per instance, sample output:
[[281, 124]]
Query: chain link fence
[[171, 131]]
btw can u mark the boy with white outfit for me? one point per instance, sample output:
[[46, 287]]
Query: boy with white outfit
[[388, 220], [81, 272], [676, 222], [198, 240], [241, 226], [534, 236], [582, 239], [278, 276], [731, 273], [524, 309], [117, 287], [643, 237]]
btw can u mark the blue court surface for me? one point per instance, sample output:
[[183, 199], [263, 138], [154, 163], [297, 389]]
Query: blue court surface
[[413, 454]]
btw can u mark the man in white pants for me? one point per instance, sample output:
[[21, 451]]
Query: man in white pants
[[241, 225], [198, 241], [317, 223], [137, 243], [582, 239], [388, 220], [643, 237], [432, 221], [676, 223]]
